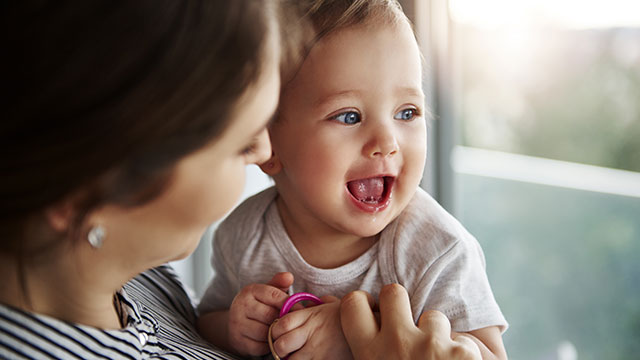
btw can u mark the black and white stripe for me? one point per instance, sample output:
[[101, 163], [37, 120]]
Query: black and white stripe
[[161, 325]]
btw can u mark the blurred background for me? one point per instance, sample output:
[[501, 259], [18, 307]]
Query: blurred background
[[535, 147]]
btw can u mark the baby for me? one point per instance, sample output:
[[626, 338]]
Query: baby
[[346, 212]]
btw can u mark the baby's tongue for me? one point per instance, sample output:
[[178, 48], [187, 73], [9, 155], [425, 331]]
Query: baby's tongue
[[367, 190]]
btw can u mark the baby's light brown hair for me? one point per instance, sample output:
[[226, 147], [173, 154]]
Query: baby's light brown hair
[[320, 18], [327, 16]]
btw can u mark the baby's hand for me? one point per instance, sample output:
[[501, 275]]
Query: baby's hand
[[313, 332], [252, 311]]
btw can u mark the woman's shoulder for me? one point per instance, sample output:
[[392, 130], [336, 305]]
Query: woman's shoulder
[[159, 326], [166, 307], [29, 335], [162, 288]]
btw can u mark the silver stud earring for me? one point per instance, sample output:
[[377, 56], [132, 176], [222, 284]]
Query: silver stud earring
[[96, 236]]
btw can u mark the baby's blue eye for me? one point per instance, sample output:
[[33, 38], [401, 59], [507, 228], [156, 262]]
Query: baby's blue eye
[[349, 117], [406, 114]]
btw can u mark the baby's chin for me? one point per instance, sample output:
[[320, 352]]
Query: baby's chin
[[372, 227]]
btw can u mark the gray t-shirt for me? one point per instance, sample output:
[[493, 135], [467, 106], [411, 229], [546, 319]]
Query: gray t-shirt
[[425, 249]]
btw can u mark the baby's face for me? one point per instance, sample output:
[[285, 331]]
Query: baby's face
[[352, 137]]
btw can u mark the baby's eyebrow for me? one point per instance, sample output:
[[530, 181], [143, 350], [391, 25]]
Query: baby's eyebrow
[[336, 95], [411, 91]]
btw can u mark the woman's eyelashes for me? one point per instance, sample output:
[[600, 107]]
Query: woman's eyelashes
[[249, 149]]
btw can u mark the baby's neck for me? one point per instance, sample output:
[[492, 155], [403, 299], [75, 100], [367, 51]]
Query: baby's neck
[[323, 248], [328, 253]]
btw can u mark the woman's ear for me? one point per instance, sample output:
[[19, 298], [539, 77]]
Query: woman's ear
[[272, 166], [60, 215]]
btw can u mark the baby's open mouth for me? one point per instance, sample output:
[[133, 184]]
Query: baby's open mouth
[[373, 190]]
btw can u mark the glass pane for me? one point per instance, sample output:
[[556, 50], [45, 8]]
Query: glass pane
[[564, 265], [553, 79], [556, 79]]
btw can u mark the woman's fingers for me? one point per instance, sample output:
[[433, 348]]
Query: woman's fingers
[[359, 324], [289, 322], [329, 299], [398, 337], [291, 340], [395, 308], [466, 342], [451, 345], [435, 323]]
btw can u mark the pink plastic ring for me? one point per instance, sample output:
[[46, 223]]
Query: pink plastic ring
[[288, 304], [296, 298]]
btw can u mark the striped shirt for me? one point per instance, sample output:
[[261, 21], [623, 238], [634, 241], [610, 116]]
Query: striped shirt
[[160, 321]]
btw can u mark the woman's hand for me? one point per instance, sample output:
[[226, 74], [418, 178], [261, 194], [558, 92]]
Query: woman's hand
[[396, 336], [312, 333]]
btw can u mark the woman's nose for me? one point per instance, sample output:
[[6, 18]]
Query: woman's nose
[[262, 148]]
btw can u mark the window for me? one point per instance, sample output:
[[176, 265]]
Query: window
[[541, 101]]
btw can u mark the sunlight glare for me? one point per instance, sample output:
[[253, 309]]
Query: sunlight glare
[[576, 14]]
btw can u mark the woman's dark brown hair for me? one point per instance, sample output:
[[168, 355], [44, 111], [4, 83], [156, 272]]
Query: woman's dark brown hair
[[101, 98]]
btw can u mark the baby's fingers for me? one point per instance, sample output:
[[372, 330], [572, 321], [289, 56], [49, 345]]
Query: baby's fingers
[[250, 339], [246, 306], [255, 330], [269, 295], [254, 348], [262, 313], [282, 281]]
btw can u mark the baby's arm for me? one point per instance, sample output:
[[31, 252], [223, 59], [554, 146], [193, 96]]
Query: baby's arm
[[489, 341], [242, 329], [456, 283], [313, 332]]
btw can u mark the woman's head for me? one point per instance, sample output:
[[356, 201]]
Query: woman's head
[[103, 98]]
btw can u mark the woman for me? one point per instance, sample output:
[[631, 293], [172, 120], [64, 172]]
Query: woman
[[126, 126]]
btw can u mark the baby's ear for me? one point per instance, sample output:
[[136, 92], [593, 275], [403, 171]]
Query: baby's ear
[[272, 166]]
